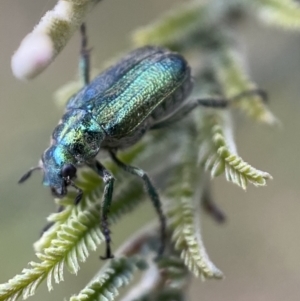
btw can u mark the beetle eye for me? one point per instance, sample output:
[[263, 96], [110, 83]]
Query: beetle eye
[[68, 171]]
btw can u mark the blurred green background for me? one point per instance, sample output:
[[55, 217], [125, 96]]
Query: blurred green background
[[257, 249]]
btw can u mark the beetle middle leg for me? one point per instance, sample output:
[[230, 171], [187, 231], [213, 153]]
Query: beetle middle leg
[[152, 192], [108, 180], [210, 207], [212, 102]]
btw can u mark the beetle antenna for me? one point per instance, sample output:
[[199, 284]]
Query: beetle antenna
[[79, 193], [28, 174]]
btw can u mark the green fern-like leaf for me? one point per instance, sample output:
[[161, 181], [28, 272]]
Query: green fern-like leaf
[[79, 234], [175, 272], [106, 286], [183, 215], [183, 218], [93, 188], [74, 240], [164, 280], [218, 153]]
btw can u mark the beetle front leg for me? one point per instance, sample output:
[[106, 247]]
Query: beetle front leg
[[108, 180], [84, 63], [151, 192]]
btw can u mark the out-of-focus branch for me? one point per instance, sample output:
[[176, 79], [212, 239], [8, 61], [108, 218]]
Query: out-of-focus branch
[[39, 48]]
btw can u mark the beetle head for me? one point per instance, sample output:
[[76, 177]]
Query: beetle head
[[59, 171]]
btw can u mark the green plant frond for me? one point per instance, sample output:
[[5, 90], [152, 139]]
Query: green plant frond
[[283, 13], [233, 79], [217, 152], [92, 186], [74, 240], [167, 276], [79, 234], [146, 284], [173, 27], [84, 224], [182, 217], [106, 286], [183, 214], [174, 271]]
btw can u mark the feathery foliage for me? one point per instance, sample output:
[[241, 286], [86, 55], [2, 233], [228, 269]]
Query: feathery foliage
[[217, 152], [183, 213], [118, 274], [165, 280], [205, 34]]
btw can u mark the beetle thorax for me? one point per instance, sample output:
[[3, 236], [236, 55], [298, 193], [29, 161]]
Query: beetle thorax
[[79, 134]]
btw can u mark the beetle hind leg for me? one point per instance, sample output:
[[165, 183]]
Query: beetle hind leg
[[152, 192], [208, 102]]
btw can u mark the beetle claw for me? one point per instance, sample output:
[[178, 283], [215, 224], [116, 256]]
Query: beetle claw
[[108, 254]]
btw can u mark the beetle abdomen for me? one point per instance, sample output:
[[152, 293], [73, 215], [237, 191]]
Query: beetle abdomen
[[169, 105]]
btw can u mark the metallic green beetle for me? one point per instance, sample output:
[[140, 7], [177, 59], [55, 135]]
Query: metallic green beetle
[[145, 90]]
